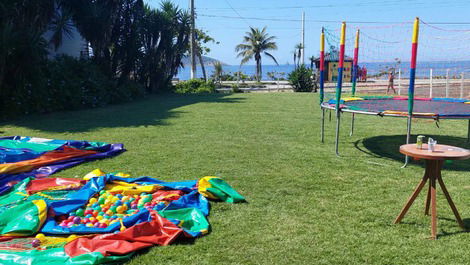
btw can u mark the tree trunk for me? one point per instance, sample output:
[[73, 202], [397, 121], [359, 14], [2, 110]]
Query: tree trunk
[[201, 62], [295, 60], [260, 70]]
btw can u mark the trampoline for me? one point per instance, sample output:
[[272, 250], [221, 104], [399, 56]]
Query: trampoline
[[431, 108], [385, 106]]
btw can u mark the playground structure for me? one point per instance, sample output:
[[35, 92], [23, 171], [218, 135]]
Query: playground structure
[[435, 100]]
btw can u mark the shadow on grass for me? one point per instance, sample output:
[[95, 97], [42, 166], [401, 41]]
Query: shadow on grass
[[153, 110], [465, 221], [388, 147]]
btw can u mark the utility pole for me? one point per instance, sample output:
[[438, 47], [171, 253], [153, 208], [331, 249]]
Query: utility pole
[[192, 40], [302, 60]]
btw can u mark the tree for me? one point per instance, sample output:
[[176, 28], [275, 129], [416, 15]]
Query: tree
[[298, 50], [218, 71], [295, 58], [23, 50], [255, 43], [312, 61], [301, 79], [165, 39], [202, 38]]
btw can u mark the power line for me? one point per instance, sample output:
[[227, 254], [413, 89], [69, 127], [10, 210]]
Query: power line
[[238, 14], [334, 21], [362, 4]]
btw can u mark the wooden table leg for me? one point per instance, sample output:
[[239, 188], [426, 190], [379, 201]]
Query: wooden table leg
[[432, 178], [428, 200], [412, 198], [428, 197], [449, 200]]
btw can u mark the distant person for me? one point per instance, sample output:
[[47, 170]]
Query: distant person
[[359, 74], [364, 74], [391, 78]]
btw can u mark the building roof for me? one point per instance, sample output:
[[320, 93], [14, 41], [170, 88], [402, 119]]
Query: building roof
[[333, 56]]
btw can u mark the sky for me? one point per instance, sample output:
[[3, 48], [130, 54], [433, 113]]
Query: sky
[[385, 25]]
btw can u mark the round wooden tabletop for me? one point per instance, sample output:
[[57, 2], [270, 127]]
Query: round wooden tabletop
[[441, 152]]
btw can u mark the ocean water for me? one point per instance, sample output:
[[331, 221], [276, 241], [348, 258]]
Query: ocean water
[[422, 69]]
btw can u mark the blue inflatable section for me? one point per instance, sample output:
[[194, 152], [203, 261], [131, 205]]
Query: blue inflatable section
[[78, 199]]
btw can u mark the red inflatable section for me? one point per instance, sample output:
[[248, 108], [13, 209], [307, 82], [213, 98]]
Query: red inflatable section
[[44, 160], [45, 184], [159, 231]]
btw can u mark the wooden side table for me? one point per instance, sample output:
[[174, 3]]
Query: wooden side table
[[434, 161]]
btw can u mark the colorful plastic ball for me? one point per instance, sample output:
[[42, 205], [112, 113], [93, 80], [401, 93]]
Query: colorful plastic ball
[[89, 225], [80, 212], [96, 224], [119, 209], [40, 236], [93, 200], [76, 220], [99, 217], [35, 243], [95, 213]]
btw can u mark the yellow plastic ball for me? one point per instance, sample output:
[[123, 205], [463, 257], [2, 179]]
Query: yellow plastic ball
[[41, 237]]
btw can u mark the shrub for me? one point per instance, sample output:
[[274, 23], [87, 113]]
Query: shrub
[[74, 84], [194, 86], [66, 83], [236, 89], [301, 79]]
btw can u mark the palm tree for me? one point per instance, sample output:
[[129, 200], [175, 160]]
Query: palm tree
[[312, 61], [218, 71], [255, 43], [298, 50], [295, 58]]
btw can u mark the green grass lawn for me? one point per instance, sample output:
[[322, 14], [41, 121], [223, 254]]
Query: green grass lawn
[[306, 206]]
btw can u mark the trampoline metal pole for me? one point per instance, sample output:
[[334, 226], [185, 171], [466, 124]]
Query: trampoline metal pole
[[352, 125], [408, 136], [322, 132], [468, 132], [339, 84], [411, 89], [322, 83], [338, 118]]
